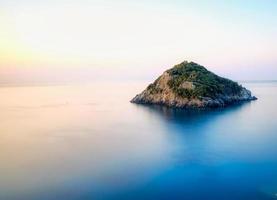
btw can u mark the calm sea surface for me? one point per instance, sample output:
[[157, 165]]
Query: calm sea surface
[[89, 142]]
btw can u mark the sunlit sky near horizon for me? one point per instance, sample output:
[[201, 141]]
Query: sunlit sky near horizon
[[58, 40]]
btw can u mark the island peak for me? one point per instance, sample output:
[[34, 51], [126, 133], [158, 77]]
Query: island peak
[[190, 85]]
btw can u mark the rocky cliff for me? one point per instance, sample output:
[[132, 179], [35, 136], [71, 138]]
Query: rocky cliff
[[189, 85]]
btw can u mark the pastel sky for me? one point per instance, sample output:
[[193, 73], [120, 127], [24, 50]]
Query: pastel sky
[[64, 40]]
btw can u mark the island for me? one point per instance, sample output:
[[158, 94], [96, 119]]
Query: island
[[190, 85]]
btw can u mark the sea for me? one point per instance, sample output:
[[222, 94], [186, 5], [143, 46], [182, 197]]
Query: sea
[[88, 142]]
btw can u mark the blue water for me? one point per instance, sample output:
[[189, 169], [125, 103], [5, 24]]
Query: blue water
[[89, 142]]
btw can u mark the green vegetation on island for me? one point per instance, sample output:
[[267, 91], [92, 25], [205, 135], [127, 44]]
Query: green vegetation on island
[[206, 83]]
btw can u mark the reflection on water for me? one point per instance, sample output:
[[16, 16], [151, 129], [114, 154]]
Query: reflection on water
[[189, 117], [89, 142]]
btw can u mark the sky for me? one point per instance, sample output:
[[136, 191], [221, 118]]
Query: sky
[[88, 40]]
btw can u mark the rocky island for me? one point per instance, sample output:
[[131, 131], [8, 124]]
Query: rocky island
[[190, 85]]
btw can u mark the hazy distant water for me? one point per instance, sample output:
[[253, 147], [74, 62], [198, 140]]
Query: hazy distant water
[[89, 142]]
